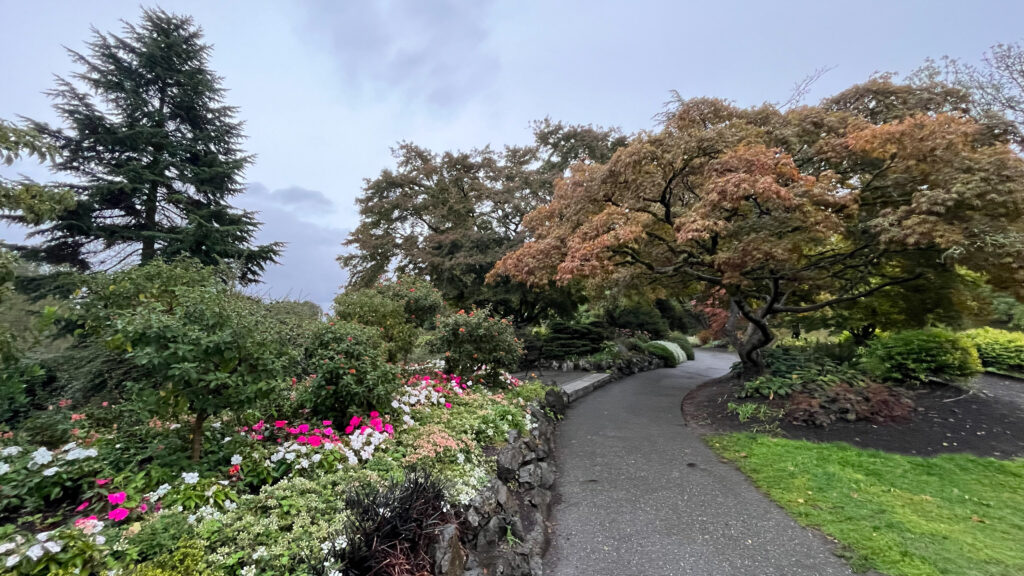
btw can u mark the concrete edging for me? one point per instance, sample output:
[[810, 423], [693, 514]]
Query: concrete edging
[[580, 387]]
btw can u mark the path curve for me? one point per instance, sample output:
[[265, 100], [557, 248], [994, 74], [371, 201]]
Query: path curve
[[641, 494]]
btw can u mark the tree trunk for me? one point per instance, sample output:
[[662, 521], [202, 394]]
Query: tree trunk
[[758, 337], [197, 435], [149, 241]]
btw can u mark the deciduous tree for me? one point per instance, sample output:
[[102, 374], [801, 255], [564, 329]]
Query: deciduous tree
[[790, 212]]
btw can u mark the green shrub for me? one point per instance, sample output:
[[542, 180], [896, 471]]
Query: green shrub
[[999, 349], [199, 346], [797, 369], [683, 342], [346, 372], [638, 318], [917, 356], [564, 339], [676, 350], [477, 345], [663, 352], [400, 309]]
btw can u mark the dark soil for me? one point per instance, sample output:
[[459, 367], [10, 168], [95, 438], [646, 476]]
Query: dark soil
[[987, 421]]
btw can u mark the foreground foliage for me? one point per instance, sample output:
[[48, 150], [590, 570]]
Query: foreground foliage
[[916, 357], [999, 350], [901, 515]]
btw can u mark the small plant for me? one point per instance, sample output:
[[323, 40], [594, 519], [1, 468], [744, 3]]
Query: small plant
[[683, 342], [765, 417]]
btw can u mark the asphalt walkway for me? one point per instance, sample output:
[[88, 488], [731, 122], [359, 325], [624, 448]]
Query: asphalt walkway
[[640, 493]]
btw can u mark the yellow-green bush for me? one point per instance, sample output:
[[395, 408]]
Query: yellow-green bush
[[1000, 350]]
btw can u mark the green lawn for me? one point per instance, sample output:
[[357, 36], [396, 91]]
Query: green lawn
[[901, 515]]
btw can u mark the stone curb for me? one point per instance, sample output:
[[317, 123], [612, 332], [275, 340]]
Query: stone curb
[[580, 387]]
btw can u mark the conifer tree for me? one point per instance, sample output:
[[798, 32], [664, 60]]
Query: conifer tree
[[154, 155]]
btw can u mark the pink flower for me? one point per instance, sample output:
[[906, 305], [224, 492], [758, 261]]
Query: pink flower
[[118, 514], [389, 429], [315, 441], [82, 506], [102, 481], [301, 440], [374, 414], [349, 429], [447, 404], [81, 521], [280, 423], [293, 430], [116, 497], [105, 404], [355, 421], [143, 507], [258, 436], [327, 422], [258, 425], [329, 431], [303, 428]]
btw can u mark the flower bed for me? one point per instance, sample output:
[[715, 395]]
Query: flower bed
[[70, 511]]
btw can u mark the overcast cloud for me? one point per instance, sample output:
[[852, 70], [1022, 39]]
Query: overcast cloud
[[327, 87]]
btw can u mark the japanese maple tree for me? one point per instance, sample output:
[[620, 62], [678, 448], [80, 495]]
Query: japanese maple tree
[[790, 211]]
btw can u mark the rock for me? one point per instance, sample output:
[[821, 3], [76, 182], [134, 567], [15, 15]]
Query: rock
[[540, 499], [538, 474], [510, 459], [490, 535], [556, 400], [449, 557]]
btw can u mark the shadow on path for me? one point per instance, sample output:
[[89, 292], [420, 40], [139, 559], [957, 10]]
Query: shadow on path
[[640, 493]]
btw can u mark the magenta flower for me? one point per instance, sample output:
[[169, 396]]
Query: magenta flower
[[82, 506], [301, 440], [143, 507], [327, 422], [102, 481], [116, 497], [315, 441], [355, 421], [447, 404], [118, 514], [303, 428], [280, 423], [349, 429]]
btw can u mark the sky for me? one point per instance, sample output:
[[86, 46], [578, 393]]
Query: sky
[[326, 88]]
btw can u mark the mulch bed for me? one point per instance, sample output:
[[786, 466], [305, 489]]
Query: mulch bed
[[986, 422]]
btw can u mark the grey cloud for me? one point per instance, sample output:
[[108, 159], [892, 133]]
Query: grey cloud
[[292, 197], [426, 51], [307, 269]]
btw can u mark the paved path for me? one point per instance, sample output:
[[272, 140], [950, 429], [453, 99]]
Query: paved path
[[642, 495]]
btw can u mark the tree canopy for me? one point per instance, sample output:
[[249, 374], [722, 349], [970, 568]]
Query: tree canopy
[[154, 154], [790, 211], [450, 216]]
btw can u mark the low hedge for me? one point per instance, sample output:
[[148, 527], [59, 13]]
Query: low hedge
[[681, 340], [664, 351], [1000, 350], [918, 356]]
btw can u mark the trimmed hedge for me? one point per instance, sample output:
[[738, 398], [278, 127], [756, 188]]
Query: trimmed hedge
[[662, 350], [681, 340], [1000, 350], [918, 356]]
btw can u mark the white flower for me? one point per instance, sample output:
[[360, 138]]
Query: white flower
[[249, 571], [4, 468], [289, 456], [79, 453], [51, 471], [44, 536], [216, 425], [12, 560], [223, 482], [236, 460], [230, 505], [174, 426], [36, 552], [69, 446], [52, 547], [10, 451], [259, 553], [7, 547], [41, 456], [190, 477], [100, 540], [303, 463], [316, 457]]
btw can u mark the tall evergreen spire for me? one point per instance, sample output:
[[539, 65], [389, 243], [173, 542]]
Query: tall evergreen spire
[[154, 153]]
